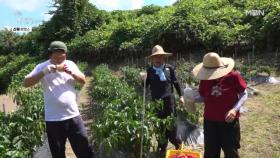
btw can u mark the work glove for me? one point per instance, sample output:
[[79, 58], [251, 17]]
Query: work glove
[[143, 76], [49, 69]]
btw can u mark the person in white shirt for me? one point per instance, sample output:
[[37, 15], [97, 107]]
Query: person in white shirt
[[58, 76]]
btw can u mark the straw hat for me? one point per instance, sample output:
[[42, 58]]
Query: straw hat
[[158, 50], [213, 67]]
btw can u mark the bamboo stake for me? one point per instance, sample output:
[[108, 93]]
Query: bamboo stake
[[143, 118]]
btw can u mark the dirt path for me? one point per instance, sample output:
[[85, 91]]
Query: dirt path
[[260, 126], [86, 112]]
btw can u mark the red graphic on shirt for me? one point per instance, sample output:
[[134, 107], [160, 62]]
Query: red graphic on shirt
[[216, 91]]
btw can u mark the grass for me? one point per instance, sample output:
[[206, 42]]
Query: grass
[[260, 127]]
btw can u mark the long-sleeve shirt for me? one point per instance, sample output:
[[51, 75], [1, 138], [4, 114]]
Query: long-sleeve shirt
[[161, 89]]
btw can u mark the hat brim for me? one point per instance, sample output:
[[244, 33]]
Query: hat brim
[[202, 73], [54, 49], [161, 53]]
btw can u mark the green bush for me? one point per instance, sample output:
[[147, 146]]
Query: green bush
[[119, 115], [10, 68], [21, 131]]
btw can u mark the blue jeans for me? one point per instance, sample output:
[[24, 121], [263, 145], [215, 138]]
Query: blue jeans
[[74, 130]]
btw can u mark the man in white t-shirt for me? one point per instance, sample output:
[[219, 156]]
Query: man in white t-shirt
[[58, 76]]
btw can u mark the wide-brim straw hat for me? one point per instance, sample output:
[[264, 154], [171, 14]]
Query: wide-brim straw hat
[[213, 67], [158, 50]]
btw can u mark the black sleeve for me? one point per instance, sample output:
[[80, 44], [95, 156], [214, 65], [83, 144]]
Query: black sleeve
[[175, 82]]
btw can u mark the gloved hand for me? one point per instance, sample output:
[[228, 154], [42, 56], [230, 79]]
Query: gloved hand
[[49, 69], [182, 100], [143, 76]]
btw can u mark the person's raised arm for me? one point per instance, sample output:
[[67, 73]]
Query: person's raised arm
[[34, 77], [76, 73]]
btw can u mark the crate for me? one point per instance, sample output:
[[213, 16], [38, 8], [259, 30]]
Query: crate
[[187, 153]]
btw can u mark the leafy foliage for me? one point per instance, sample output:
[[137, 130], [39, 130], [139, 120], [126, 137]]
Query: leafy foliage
[[131, 76], [119, 111], [8, 41], [248, 72], [184, 73], [92, 34], [65, 23], [21, 131], [212, 25], [11, 68]]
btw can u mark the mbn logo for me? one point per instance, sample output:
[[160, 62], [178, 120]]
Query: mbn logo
[[255, 12]]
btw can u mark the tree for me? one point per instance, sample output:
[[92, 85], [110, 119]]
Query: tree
[[65, 23], [149, 9], [8, 41], [93, 18]]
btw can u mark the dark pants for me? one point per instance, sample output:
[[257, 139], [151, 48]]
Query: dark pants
[[221, 135], [74, 130], [170, 134]]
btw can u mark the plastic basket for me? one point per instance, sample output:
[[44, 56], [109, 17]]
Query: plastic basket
[[183, 153]]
